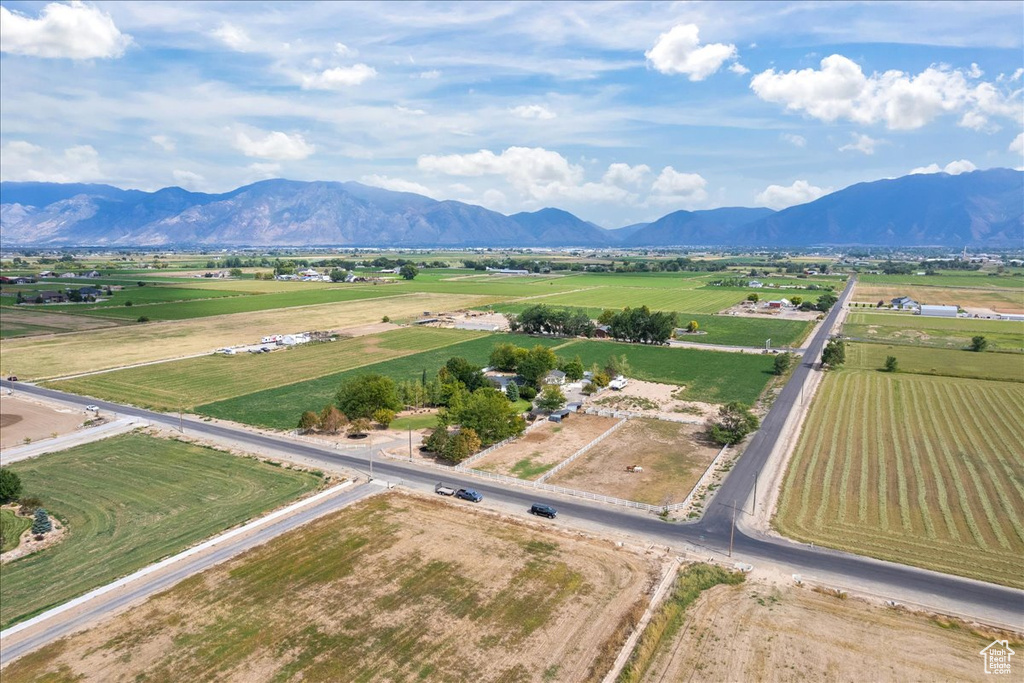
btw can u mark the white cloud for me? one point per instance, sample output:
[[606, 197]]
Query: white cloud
[[396, 184], [408, 110], [679, 52], [343, 50], [533, 111], [25, 161], [952, 168], [974, 71], [273, 145], [738, 68], [781, 197], [1018, 144], [264, 170], [188, 179], [233, 36], [431, 75], [840, 90], [338, 77], [72, 31], [671, 186], [861, 143], [795, 140], [164, 142], [624, 175]]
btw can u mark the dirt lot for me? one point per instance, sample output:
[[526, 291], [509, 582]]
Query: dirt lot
[[544, 446], [750, 310], [396, 588], [673, 457], [754, 632], [653, 399], [23, 418]]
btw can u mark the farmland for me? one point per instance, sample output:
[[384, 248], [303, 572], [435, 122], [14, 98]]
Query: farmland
[[947, 333], [915, 469], [205, 379], [704, 300], [928, 361], [673, 457], [15, 322], [139, 343], [392, 602], [544, 446], [998, 300], [128, 501], [952, 278]]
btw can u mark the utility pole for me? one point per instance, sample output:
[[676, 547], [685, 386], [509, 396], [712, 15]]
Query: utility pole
[[732, 532], [371, 464], [753, 507], [410, 444]]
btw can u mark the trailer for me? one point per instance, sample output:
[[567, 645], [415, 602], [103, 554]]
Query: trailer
[[443, 490]]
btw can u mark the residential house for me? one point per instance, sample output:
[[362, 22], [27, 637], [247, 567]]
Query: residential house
[[555, 377], [755, 284], [92, 273], [904, 303], [51, 297], [89, 291], [602, 331]]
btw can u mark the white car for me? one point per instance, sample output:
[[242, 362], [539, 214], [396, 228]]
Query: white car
[[92, 407]]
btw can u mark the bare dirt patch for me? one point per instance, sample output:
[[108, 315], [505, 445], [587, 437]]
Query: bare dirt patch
[[673, 457], [654, 400], [40, 322], [544, 446], [755, 632], [395, 588], [22, 419], [747, 309]]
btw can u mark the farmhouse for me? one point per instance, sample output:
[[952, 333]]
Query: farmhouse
[[904, 303], [555, 377], [939, 311], [51, 297]]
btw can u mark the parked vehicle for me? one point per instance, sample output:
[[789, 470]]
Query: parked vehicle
[[12, 378], [543, 510], [443, 490], [92, 407], [469, 494]]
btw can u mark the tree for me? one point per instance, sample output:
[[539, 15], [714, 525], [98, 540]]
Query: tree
[[362, 395], [826, 301], [978, 343], [10, 485], [469, 374], [504, 357], [308, 421], [435, 443], [461, 445], [753, 297], [331, 419], [734, 422], [142, 319], [891, 364], [489, 414], [338, 275], [408, 271], [235, 272], [41, 524], [607, 316], [384, 417], [551, 398], [573, 369], [782, 363], [796, 300], [539, 361], [881, 302], [512, 392], [359, 426], [834, 354], [692, 326], [617, 365]]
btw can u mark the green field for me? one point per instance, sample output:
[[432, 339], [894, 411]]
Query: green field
[[926, 361], [920, 470], [11, 528], [140, 296], [280, 407], [705, 300], [128, 501], [205, 379], [947, 333]]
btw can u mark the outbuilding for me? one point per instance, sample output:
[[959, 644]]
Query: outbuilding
[[939, 311]]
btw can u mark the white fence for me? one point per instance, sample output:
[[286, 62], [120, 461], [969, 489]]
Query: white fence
[[465, 464], [540, 486], [560, 466], [608, 412]]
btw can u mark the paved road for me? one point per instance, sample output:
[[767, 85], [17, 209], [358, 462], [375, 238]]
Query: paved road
[[17, 644]]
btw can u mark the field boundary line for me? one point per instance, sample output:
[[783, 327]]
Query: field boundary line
[[562, 465], [145, 571], [72, 439]]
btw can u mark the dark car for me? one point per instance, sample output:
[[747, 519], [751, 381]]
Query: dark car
[[469, 494], [12, 378], [543, 510]]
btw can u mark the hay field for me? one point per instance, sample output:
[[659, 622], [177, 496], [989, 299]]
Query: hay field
[[946, 333], [914, 469], [999, 300], [942, 362], [140, 343]]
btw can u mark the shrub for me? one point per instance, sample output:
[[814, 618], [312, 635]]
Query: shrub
[[891, 364], [127, 303], [309, 421], [359, 426], [527, 392], [512, 392], [692, 326], [10, 485], [385, 319], [331, 419], [28, 504], [978, 343], [782, 363], [384, 417], [461, 445], [42, 523], [142, 319]]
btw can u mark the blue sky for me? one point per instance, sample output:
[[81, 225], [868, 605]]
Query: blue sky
[[619, 112]]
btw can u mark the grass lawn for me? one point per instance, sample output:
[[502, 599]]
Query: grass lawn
[[415, 422], [928, 361], [128, 501], [915, 469], [11, 528], [280, 407], [186, 383], [947, 333]]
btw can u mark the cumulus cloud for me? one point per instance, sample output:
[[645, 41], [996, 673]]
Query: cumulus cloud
[[781, 197], [273, 145], [233, 36], [679, 52], [624, 175], [25, 161], [533, 111], [188, 179], [671, 186], [338, 77], [738, 68], [164, 142], [952, 168], [343, 50], [1018, 144], [861, 143], [396, 184], [795, 140], [72, 31], [841, 90]]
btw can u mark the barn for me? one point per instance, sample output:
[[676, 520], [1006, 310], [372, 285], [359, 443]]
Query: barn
[[939, 311]]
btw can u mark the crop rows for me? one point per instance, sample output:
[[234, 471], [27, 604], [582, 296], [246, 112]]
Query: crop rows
[[915, 469], [705, 300]]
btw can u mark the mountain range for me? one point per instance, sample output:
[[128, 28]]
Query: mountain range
[[981, 208]]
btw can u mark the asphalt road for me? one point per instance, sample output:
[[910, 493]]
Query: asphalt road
[[712, 532]]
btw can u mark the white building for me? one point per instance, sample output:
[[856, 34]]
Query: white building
[[939, 311]]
